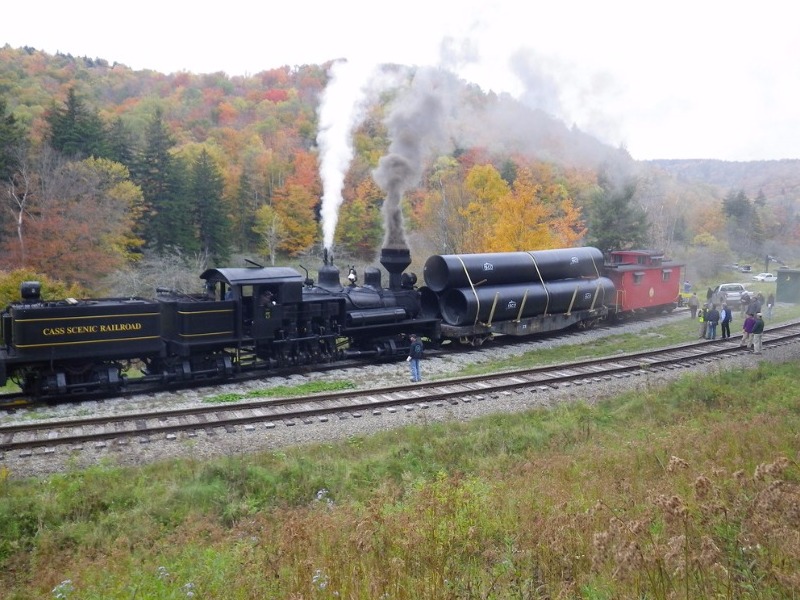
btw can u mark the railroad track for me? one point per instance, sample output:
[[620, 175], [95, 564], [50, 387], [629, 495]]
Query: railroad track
[[76, 434]]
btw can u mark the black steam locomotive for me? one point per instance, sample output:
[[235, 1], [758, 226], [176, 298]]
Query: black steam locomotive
[[269, 317]]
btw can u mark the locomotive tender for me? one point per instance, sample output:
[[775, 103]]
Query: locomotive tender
[[268, 317]]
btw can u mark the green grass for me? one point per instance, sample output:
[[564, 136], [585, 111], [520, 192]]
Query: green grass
[[284, 391]]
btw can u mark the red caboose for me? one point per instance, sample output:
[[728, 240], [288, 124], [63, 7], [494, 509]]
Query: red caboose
[[644, 281]]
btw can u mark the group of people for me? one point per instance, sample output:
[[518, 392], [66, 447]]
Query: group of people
[[752, 329], [710, 317], [751, 305]]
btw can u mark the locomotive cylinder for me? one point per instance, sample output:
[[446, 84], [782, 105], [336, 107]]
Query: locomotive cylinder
[[465, 306], [444, 271]]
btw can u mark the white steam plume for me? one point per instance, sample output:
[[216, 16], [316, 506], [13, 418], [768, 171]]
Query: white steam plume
[[342, 109]]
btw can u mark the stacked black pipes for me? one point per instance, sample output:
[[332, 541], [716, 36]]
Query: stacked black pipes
[[471, 288]]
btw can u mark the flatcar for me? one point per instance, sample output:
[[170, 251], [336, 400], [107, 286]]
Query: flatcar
[[515, 293]]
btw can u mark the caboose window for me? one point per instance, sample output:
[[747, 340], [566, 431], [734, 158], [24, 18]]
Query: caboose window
[[638, 276], [666, 274]]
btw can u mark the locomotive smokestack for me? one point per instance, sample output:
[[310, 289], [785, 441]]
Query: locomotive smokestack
[[395, 260]]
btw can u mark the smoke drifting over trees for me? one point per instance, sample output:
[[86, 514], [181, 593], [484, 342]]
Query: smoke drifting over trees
[[434, 112], [416, 128]]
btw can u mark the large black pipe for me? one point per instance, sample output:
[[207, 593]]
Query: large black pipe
[[444, 271], [466, 306]]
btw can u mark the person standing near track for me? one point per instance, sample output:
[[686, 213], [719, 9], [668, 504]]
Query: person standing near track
[[712, 316], [758, 330], [415, 351], [725, 321], [701, 318], [747, 332], [694, 304]]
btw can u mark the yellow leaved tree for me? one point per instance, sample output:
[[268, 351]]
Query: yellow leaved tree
[[535, 212], [485, 188]]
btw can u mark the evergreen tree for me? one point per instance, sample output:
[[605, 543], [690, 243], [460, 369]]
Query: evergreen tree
[[737, 206], [12, 137], [75, 130], [120, 147], [246, 203], [213, 223], [167, 218], [615, 220], [745, 229]]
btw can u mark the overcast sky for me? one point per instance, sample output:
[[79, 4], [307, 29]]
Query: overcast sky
[[678, 79]]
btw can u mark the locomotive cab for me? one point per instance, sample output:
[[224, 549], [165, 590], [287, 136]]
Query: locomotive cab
[[271, 321], [258, 297]]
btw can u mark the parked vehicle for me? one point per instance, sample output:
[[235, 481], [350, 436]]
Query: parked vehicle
[[730, 293], [767, 277]]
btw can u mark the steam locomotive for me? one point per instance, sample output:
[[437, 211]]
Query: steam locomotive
[[264, 318]]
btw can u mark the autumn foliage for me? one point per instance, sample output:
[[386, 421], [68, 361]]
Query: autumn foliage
[[102, 164]]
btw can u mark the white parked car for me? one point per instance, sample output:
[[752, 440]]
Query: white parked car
[[765, 277]]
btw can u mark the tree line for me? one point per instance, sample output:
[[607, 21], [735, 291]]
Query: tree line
[[91, 197], [209, 168]]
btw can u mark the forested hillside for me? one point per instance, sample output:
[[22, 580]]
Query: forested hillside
[[105, 170], [773, 178]]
